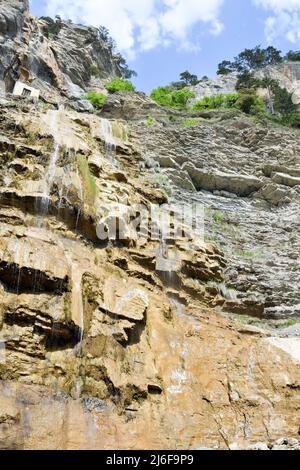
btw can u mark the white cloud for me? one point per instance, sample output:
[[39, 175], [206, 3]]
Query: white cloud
[[144, 24], [284, 20]]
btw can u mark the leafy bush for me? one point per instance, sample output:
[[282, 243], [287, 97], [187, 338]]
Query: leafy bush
[[88, 180], [98, 100], [180, 98], [250, 103], [247, 102], [150, 121], [119, 84], [293, 56], [226, 67], [218, 101], [177, 99], [178, 85], [95, 71], [283, 102], [291, 119]]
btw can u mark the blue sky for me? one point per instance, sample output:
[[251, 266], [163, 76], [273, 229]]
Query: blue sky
[[161, 38]]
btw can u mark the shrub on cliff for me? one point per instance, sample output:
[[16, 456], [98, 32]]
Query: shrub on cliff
[[247, 102], [119, 84], [97, 99], [168, 97], [292, 119]]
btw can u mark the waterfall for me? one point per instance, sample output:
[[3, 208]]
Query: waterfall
[[76, 299], [50, 173], [109, 140]]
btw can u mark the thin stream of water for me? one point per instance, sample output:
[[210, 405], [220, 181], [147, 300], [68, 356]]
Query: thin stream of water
[[110, 141]]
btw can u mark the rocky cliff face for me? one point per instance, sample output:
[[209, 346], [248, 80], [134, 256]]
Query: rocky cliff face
[[287, 74], [140, 342]]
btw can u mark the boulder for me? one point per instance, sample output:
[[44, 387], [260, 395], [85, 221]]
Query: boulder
[[242, 185]]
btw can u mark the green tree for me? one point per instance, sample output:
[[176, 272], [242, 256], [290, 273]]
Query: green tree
[[226, 67], [216, 102], [250, 60], [292, 119], [250, 103], [126, 72], [293, 56], [188, 78]]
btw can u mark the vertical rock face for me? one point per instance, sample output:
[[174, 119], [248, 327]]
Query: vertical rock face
[[141, 339], [12, 20]]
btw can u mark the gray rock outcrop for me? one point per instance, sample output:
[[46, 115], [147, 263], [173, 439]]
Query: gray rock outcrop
[[59, 58]]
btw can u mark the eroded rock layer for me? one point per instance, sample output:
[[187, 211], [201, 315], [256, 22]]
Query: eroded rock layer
[[138, 341]]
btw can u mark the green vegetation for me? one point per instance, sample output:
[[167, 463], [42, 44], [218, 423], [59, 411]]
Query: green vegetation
[[250, 60], [218, 218], [218, 101], [277, 105], [119, 84], [177, 94], [88, 180], [289, 323], [186, 79], [98, 100], [189, 122], [162, 182], [126, 72], [292, 119], [282, 109], [53, 26], [189, 79], [280, 104], [245, 254], [293, 56], [247, 102], [168, 97], [151, 121]]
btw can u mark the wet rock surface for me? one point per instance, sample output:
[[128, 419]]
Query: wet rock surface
[[138, 340]]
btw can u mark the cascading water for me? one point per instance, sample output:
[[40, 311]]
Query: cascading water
[[50, 173], [109, 140]]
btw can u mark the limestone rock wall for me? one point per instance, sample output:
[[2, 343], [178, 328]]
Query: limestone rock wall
[[93, 336]]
